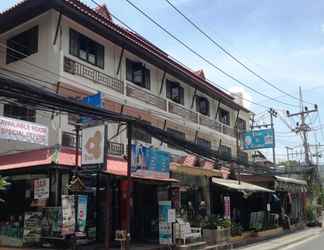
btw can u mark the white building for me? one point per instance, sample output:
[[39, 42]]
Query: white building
[[78, 51]]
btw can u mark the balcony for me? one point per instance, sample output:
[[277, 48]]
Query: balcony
[[79, 69], [183, 112], [144, 96], [114, 148], [216, 125]]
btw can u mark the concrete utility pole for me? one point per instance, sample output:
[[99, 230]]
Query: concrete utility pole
[[287, 150], [302, 127]]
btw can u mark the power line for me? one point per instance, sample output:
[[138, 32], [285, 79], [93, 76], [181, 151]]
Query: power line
[[202, 57], [228, 53], [217, 85]]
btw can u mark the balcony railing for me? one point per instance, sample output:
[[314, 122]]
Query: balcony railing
[[216, 125], [144, 96], [183, 112], [114, 148], [98, 77]]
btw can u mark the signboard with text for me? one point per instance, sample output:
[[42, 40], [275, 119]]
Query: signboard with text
[[19, 130], [258, 139], [41, 189], [150, 162]]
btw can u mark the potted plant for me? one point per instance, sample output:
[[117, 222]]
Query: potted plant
[[216, 229]]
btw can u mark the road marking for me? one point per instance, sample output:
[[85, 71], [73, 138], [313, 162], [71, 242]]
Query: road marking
[[292, 246]]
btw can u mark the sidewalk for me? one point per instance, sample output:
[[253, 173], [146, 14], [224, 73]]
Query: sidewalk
[[284, 241]]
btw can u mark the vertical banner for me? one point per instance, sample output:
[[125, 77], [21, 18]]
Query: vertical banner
[[41, 189], [165, 228], [32, 227], [82, 212], [68, 214], [227, 207], [93, 142]]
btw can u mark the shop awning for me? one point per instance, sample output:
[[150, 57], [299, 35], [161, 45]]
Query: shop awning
[[118, 167], [290, 180], [241, 187], [65, 157]]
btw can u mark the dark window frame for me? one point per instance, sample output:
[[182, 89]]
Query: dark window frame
[[137, 73], [203, 142], [178, 134], [94, 49], [199, 108], [241, 124], [222, 114], [226, 151], [175, 92], [140, 135], [19, 112], [22, 45]]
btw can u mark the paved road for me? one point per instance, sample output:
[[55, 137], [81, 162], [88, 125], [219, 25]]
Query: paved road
[[314, 243]]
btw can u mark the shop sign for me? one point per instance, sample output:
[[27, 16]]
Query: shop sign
[[150, 162], [82, 212], [18, 130], [93, 140], [68, 214], [165, 228], [257, 139], [41, 189], [171, 215], [227, 207], [32, 229]]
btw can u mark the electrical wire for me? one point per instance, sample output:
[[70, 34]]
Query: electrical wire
[[226, 51], [202, 57]]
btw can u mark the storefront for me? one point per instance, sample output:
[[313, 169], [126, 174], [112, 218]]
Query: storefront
[[289, 199], [242, 203]]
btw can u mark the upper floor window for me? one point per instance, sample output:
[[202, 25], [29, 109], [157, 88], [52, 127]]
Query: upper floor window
[[175, 92], [203, 142], [225, 151], [176, 134], [224, 116], [19, 112], [241, 124], [138, 74], [22, 45], [141, 135], [86, 49], [202, 105]]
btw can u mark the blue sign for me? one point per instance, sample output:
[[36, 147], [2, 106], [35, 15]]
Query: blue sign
[[258, 139], [150, 161], [93, 100]]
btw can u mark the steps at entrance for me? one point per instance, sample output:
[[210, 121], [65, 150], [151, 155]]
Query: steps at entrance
[[201, 245], [220, 246]]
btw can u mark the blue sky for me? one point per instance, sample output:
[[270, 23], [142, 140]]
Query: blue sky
[[281, 40]]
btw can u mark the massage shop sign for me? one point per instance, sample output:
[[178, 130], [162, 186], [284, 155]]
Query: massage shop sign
[[18, 130]]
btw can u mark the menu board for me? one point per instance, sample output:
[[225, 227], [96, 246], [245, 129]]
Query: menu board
[[41, 189], [32, 228]]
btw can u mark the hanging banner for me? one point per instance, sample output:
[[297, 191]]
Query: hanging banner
[[32, 228], [41, 189], [227, 207], [257, 139], [93, 140], [150, 162], [18, 130], [165, 228], [68, 214], [82, 212]]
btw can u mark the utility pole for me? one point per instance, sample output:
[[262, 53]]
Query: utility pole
[[273, 113], [287, 150], [302, 127]]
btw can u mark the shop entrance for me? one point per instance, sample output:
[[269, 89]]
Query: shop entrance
[[145, 226]]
